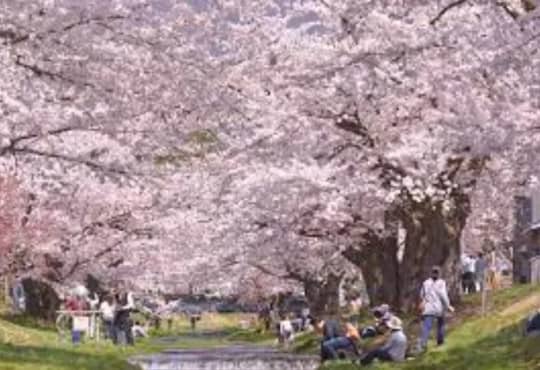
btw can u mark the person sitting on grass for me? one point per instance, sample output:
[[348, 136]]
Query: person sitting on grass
[[138, 331], [382, 314], [395, 347], [330, 329], [532, 326], [331, 347]]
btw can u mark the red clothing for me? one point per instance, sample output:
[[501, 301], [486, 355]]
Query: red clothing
[[75, 304]]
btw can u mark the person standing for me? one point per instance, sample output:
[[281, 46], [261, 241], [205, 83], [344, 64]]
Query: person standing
[[467, 276], [122, 319], [76, 305], [107, 309], [93, 304], [480, 269], [434, 303], [286, 331]]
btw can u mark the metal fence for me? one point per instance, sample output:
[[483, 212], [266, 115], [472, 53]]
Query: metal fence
[[88, 322]]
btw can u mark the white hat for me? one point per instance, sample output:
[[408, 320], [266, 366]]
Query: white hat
[[394, 323]]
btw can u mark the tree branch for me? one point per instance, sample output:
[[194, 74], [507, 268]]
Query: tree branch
[[76, 160], [40, 72], [445, 10]]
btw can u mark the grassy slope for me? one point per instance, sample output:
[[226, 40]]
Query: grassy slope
[[493, 342], [475, 343], [23, 347]]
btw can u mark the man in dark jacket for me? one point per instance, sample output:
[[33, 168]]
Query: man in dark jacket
[[331, 329]]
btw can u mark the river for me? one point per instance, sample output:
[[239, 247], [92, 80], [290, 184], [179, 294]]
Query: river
[[226, 358]]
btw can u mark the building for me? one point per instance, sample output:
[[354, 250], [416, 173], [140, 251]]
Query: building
[[526, 236]]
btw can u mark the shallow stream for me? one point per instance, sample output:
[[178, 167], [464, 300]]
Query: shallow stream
[[228, 358]]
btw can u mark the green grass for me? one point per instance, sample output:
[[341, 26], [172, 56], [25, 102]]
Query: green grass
[[26, 344], [492, 342]]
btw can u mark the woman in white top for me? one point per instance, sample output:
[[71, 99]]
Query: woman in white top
[[107, 310], [435, 303], [286, 331]]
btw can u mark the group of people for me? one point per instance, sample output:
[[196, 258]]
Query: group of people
[[338, 343], [337, 340], [114, 312], [473, 275]]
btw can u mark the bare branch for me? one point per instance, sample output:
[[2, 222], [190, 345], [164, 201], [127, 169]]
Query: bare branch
[[101, 167], [445, 10]]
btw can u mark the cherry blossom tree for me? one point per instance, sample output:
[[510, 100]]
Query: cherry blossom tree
[[429, 98]]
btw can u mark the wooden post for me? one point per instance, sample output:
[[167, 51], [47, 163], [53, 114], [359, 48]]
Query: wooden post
[[7, 296], [484, 297]]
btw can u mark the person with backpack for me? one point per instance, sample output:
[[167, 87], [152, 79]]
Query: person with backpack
[[434, 303]]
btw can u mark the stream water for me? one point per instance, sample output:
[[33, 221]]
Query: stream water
[[229, 358]]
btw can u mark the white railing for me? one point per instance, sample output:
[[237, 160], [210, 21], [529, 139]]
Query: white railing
[[87, 321]]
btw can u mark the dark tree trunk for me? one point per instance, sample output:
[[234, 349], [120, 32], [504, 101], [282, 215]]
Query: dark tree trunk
[[377, 259], [433, 238], [41, 299], [323, 296]]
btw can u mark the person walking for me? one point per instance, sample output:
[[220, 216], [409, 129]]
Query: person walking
[[434, 304]]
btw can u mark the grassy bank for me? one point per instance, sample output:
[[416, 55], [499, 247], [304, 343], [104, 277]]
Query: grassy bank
[[29, 345], [492, 342]]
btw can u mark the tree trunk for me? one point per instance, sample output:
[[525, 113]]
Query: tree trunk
[[433, 238], [6, 290], [380, 267], [323, 296], [41, 299]]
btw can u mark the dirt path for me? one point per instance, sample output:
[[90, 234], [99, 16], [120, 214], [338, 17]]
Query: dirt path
[[529, 304]]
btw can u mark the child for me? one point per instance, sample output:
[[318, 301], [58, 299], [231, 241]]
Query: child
[[286, 331]]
